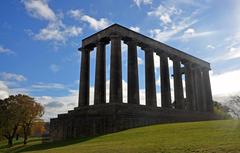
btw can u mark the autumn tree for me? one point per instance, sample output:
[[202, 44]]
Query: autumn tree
[[32, 111], [10, 118], [16, 111], [38, 128]]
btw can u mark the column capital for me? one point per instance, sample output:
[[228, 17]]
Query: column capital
[[175, 58], [129, 40], [187, 63], [206, 69], [147, 48], [162, 54], [84, 49], [144, 46], [102, 42], [115, 36], [199, 68]]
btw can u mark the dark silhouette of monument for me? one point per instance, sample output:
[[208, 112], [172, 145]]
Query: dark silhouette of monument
[[102, 117]]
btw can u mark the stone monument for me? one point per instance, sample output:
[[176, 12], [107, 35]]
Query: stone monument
[[101, 117]]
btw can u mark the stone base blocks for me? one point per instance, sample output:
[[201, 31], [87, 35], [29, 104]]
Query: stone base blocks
[[108, 118]]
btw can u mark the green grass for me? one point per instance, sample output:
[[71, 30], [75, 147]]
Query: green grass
[[209, 136]]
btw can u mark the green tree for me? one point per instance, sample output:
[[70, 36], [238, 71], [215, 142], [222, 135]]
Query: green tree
[[234, 106], [221, 110]]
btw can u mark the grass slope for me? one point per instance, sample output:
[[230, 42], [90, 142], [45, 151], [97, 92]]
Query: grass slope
[[208, 136]]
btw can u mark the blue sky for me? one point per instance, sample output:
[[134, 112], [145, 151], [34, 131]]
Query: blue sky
[[39, 41]]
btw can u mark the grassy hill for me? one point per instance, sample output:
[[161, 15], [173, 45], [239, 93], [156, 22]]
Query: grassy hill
[[208, 136]]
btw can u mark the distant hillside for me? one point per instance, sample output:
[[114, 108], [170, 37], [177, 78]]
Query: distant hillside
[[208, 136]]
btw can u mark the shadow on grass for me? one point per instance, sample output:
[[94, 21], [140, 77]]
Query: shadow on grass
[[17, 145], [49, 145]]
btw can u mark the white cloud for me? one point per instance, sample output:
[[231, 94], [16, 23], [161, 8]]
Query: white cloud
[[174, 19], [76, 14], [15, 91], [54, 104], [12, 77], [142, 2], [96, 24], [72, 31], [93, 23], [231, 49], [58, 32], [140, 61], [39, 9], [4, 50], [54, 68], [225, 84], [169, 33], [136, 29], [233, 53], [48, 86], [59, 104], [210, 47], [165, 13], [4, 91], [191, 33]]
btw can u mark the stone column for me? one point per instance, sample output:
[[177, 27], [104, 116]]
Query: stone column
[[151, 99], [203, 92], [84, 79], [198, 89], [100, 75], [190, 97], [165, 82], [195, 104], [133, 85], [208, 90], [178, 86], [115, 70]]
